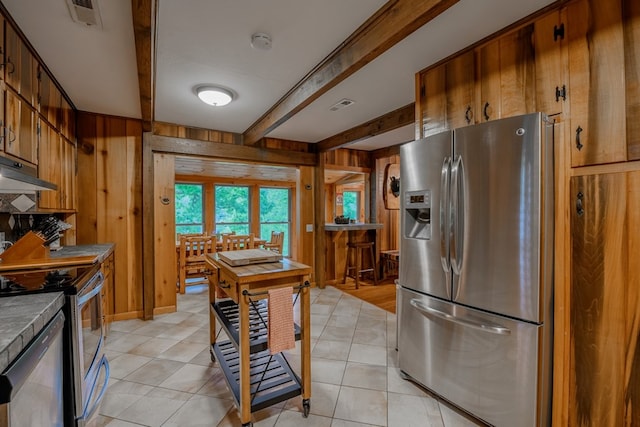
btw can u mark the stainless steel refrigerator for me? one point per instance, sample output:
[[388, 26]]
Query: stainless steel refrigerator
[[476, 268]]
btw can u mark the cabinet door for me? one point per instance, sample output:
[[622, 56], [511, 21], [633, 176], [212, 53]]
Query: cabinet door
[[631, 14], [19, 69], [67, 120], [433, 101], [604, 300], [49, 167], [50, 99], [20, 136], [507, 76], [460, 90], [488, 87], [596, 82], [68, 173], [551, 84]]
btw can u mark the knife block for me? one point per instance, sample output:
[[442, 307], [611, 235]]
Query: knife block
[[30, 246]]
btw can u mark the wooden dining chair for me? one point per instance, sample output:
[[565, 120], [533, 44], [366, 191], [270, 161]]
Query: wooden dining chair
[[276, 243], [236, 242], [191, 259]]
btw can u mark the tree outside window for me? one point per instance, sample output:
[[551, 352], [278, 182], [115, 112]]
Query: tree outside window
[[274, 214], [232, 209], [350, 204], [189, 208]]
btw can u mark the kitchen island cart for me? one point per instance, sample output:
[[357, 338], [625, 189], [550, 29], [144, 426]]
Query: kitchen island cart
[[256, 378]]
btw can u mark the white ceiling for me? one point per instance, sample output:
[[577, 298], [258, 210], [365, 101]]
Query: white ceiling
[[208, 42]]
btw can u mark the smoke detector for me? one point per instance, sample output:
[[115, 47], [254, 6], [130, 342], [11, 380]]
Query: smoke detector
[[261, 41], [85, 12], [344, 102]]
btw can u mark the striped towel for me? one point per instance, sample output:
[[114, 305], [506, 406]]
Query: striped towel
[[280, 334]]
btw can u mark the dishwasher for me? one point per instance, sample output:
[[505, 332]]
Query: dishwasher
[[31, 386]]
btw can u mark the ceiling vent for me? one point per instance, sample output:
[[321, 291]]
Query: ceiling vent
[[85, 12], [341, 104]]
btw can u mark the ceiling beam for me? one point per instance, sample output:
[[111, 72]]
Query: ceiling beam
[[393, 22], [395, 119], [144, 17]]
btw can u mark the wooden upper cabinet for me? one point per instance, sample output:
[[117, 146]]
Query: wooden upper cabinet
[[20, 66], [506, 76], [596, 82], [50, 170], [460, 90], [68, 166], [432, 103], [605, 300], [551, 82], [20, 132], [67, 123], [50, 99], [631, 17]]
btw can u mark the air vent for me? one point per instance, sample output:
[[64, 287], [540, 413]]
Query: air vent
[[341, 104], [85, 12]]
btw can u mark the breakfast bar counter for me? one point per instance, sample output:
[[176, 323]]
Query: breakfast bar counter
[[337, 237]]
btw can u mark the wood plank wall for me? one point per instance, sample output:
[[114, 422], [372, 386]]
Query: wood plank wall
[[164, 228], [110, 200], [388, 237]]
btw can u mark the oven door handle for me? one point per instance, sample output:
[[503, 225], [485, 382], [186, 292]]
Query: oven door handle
[[92, 293], [103, 363]]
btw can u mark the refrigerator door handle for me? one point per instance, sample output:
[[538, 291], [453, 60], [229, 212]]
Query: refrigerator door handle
[[456, 227], [444, 214], [486, 326]]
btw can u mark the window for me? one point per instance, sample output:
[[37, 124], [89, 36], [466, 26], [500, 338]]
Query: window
[[189, 209], [274, 214], [232, 209], [350, 204]]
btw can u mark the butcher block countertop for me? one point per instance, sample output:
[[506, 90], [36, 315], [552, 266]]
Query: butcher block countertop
[[21, 318], [65, 257]]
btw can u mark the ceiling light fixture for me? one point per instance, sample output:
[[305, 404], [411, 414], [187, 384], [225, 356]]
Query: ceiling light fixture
[[214, 95]]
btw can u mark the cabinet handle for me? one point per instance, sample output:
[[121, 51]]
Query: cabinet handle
[[485, 111], [578, 143], [468, 114], [13, 66], [579, 204], [561, 93], [11, 133]]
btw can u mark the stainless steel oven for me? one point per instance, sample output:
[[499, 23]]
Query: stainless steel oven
[[86, 369], [91, 368]]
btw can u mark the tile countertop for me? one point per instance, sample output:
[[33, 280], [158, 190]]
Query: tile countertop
[[21, 318], [65, 257], [99, 250]]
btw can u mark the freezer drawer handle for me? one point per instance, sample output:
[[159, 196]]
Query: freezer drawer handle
[[486, 327]]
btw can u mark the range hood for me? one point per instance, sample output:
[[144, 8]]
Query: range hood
[[16, 177]]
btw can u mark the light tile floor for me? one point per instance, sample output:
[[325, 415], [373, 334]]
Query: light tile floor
[[162, 374]]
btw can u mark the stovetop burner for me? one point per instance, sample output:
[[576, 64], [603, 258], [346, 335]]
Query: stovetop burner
[[24, 282]]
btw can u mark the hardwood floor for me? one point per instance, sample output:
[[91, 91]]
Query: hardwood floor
[[382, 295]]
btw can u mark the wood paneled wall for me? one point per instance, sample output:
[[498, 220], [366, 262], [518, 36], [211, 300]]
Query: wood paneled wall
[[348, 159], [389, 236], [164, 237], [110, 200]]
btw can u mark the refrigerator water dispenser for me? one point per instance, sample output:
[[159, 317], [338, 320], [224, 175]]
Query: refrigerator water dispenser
[[417, 214]]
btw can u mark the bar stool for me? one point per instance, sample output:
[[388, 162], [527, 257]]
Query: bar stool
[[359, 248]]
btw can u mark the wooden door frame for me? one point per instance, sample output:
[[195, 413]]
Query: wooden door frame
[[153, 144]]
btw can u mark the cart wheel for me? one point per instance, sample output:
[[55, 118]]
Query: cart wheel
[[306, 406], [249, 424], [213, 356]]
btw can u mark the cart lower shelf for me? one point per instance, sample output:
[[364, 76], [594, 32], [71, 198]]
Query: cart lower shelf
[[271, 378], [228, 313]]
